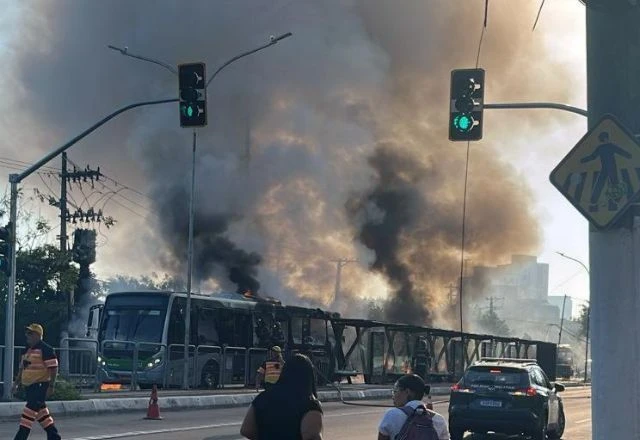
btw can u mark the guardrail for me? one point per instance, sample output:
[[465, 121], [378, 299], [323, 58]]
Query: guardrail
[[232, 356], [78, 359], [207, 366], [17, 353], [83, 363], [254, 360]]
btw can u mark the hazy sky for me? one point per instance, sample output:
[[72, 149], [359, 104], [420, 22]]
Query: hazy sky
[[60, 77]]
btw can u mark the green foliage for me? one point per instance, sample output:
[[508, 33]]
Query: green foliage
[[491, 323], [376, 311], [44, 279], [153, 282], [583, 320]]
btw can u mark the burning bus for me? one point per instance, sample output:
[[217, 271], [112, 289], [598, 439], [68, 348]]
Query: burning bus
[[141, 342]]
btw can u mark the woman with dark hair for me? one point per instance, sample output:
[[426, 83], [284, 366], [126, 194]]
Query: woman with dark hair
[[290, 410]]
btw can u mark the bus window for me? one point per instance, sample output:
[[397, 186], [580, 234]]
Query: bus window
[[225, 325], [318, 331], [280, 332], [207, 333], [296, 330], [244, 336], [262, 326]]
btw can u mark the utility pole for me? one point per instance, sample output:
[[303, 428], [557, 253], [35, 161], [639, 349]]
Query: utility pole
[[492, 307], [613, 87], [340, 263], [564, 302], [63, 204]]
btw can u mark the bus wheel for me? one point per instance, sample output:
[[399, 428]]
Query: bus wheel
[[210, 375]]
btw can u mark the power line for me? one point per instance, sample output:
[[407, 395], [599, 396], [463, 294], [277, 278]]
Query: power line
[[127, 187], [24, 164], [484, 26], [538, 16]]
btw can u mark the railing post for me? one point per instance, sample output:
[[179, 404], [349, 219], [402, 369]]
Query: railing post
[[134, 368]]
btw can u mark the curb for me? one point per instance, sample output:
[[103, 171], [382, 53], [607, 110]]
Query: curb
[[12, 410]]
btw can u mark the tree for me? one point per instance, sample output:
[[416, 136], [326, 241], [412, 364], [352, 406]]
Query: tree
[[44, 278], [145, 282], [375, 311], [583, 320], [491, 323]]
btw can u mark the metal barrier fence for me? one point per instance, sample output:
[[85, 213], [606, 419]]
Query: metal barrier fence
[[84, 364], [232, 359], [174, 365], [255, 358], [153, 358], [17, 354], [207, 362], [78, 360]]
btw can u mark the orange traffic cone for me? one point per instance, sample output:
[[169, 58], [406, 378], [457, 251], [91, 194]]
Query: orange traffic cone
[[153, 412], [429, 403]]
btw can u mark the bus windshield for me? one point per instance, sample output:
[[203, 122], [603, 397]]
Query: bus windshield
[[133, 324]]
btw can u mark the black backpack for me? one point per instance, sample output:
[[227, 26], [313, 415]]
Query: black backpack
[[419, 424]]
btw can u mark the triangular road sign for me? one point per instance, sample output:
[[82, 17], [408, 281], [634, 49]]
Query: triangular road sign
[[601, 175]]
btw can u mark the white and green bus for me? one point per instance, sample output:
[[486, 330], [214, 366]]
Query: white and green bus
[[141, 337]]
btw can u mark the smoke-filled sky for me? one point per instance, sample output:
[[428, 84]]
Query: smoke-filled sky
[[331, 144]]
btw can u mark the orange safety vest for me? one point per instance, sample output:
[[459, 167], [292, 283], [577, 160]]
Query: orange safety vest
[[36, 362], [271, 371]]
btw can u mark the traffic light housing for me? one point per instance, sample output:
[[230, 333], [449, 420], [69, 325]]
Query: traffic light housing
[[466, 104], [193, 94], [5, 249]]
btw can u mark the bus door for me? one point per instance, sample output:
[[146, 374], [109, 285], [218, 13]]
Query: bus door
[[175, 343], [93, 322]]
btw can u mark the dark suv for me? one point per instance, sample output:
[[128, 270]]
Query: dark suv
[[506, 396]]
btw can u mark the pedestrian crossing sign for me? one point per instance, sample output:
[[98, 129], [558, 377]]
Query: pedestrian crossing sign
[[601, 175]]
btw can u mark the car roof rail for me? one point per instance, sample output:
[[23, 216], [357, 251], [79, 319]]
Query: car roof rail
[[509, 360]]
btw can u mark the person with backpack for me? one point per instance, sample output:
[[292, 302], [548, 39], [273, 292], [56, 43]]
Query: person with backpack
[[410, 419]]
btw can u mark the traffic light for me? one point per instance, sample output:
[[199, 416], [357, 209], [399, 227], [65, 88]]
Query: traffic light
[[193, 94], [5, 249], [467, 99]]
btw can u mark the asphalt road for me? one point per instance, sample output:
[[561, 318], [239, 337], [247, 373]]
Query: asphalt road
[[342, 422]]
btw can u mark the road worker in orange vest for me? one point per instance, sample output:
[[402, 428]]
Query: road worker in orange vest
[[269, 371], [37, 374]]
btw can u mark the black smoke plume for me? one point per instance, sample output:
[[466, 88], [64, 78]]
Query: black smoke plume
[[395, 199], [213, 251]]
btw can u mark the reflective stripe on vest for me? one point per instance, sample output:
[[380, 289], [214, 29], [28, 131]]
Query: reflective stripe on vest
[[35, 369], [272, 372]]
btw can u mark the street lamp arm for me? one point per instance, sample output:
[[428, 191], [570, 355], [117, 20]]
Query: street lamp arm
[[274, 40], [574, 259], [17, 178], [126, 52]]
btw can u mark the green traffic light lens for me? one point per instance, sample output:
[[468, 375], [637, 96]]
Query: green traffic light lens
[[188, 110], [463, 123]]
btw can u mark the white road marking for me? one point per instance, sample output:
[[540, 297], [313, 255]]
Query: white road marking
[[195, 428]]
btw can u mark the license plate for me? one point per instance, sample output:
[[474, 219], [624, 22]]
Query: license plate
[[491, 403]]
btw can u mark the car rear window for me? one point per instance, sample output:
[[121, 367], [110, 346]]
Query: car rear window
[[496, 377]]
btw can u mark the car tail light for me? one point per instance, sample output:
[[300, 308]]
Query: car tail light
[[530, 391], [459, 389]]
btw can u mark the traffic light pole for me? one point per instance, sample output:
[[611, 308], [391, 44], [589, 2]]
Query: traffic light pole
[[534, 105], [187, 325], [14, 180], [9, 330], [613, 87]]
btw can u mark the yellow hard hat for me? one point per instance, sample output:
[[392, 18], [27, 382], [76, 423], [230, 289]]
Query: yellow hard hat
[[36, 328]]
